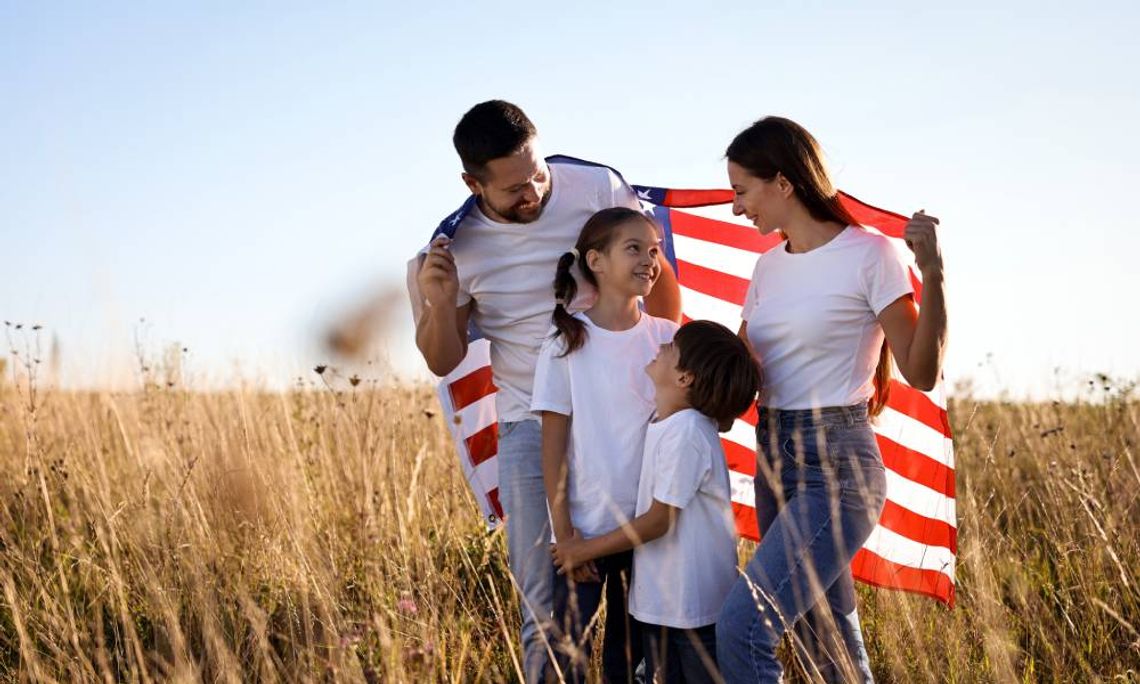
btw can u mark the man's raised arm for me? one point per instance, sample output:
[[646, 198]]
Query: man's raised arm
[[441, 326]]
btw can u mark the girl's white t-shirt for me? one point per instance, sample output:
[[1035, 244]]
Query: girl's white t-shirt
[[682, 578], [604, 389], [813, 318]]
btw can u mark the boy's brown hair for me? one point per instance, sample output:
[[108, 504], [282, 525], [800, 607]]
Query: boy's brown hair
[[725, 376]]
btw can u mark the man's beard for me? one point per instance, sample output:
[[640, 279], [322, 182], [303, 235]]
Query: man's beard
[[515, 215]]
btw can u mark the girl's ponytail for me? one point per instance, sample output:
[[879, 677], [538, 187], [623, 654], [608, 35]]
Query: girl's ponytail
[[565, 288]]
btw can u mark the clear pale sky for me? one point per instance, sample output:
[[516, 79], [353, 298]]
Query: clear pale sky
[[237, 175]]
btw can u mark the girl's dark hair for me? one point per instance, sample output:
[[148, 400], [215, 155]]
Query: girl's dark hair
[[596, 235], [726, 378], [775, 145]]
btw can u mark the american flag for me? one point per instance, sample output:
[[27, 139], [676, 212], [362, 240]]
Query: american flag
[[913, 546]]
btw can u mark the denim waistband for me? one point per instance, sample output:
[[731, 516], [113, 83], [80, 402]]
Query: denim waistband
[[807, 418]]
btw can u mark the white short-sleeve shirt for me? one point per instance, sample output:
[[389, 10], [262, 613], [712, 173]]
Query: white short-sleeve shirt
[[604, 389], [681, 578], [508, 270], [813, 318]]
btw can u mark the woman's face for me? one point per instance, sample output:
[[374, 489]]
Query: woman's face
[[759, 200]]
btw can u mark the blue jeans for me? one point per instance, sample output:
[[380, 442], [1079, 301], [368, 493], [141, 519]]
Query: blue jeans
[[820, 487], [523, 496], [576, 604], [680, 656]]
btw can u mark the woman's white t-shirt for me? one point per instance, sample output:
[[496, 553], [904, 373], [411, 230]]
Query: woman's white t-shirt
[[813, 318], [604, 389], [681, 578]]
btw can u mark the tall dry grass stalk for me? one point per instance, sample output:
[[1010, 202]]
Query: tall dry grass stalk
[[328, 535]]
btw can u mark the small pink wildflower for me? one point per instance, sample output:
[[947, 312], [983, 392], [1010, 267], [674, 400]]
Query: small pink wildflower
[[407, 605]]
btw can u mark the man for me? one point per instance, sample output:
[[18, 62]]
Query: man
[[497, 272]]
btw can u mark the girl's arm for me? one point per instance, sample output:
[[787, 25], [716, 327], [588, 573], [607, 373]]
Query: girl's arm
[[918, 336], [555, 477], [646, 527], [555, 471]]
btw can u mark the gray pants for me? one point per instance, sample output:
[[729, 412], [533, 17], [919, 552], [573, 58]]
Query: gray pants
[[523, 497]]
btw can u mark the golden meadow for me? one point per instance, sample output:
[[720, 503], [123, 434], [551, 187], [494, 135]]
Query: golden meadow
[[326, 534]]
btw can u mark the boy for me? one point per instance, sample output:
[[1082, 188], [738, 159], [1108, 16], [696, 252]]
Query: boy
[[684, 537]]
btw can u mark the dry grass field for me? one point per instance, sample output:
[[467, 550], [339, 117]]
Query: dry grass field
[[326, 534]]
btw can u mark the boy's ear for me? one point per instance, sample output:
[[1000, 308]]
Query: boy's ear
[[685, 379]]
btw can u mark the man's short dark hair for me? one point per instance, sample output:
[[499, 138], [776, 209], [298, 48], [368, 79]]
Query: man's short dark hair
[[490, 130], [725, 376]]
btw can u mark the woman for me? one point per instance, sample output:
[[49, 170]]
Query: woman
[[825, 311]]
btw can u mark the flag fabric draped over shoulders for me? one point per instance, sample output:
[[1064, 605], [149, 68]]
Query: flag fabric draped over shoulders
[[914, 545]]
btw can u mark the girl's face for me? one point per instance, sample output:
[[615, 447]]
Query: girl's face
[[629, 265], [763, 202]]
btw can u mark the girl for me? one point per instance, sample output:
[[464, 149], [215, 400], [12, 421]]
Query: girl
[[817, 312], [595, 400], [684, 562]]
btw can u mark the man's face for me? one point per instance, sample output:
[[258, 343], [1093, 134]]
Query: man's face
[[513, 189]]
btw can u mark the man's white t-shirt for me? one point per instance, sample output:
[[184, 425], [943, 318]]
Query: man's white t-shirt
[[508, 270], [604, 389], [813, 318], [681, 578]]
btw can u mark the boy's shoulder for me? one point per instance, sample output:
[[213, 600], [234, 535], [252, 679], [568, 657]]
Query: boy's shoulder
[[689, 425], [687, 437]]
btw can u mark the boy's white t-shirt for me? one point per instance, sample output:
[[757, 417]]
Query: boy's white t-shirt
[[508, 270], [813, 318], [604, 389], [682, 578]]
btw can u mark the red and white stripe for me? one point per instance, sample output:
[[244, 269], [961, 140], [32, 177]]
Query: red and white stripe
[[467, 395]]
